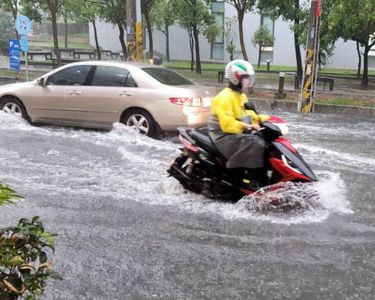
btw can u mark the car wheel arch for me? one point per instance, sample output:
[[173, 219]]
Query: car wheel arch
[[129, 110], [4, 98]]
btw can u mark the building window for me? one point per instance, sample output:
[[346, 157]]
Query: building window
[[270, 24], [217, 47]]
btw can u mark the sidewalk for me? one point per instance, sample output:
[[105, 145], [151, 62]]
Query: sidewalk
[[338, 89]]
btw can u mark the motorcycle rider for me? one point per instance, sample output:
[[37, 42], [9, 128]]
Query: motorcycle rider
[[230, 120]]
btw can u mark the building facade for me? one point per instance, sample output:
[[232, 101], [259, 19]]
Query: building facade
[[282, 53]]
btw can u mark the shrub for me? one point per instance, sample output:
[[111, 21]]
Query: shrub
[[24, 265]]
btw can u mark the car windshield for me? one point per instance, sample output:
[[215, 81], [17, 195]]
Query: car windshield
[[168, 77]]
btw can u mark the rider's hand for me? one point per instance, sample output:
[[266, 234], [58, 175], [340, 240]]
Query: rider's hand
[[255, 127]]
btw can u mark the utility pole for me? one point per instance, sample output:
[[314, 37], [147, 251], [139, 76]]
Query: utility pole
[[138, 32], [308, 89], [135, 29], [130, 28]]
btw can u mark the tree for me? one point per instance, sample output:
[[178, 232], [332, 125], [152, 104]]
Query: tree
[[196, 17], [88, 12], [230, 34], [242, 6], [33, 9], [12, 7], [263, 38], [164, 16], [289, 10], [146, 6], [114, 11], [327, 37], [355, 20], [6, 29]]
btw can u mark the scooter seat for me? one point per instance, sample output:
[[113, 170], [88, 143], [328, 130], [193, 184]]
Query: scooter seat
[[205, 142]]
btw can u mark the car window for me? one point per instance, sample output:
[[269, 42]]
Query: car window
[[112, 76], [167, 76], [75, 75]]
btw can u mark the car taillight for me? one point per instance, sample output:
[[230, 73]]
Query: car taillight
[[187, 101]]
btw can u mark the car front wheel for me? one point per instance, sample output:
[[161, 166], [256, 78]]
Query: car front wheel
[[13, 106], [141, 121]]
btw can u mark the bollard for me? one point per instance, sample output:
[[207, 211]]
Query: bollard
[[268, 65], [280, 94]]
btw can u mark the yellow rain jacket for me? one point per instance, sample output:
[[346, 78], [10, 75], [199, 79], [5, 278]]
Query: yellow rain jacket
[[228, 106]]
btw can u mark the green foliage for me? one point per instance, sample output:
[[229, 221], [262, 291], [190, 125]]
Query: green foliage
[[353, 20], [163, 14], [195, 14], [114, 11], [24, 265], [230, 33], [263, 37], [8, 195], [242, 6], [6, 30]]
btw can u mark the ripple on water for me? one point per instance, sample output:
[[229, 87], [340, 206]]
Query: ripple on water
[[141, 175]]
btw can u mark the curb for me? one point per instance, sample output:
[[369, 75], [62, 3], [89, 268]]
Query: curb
[[271, 104]]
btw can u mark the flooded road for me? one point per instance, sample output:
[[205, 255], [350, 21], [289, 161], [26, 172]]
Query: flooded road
[[127, 231]]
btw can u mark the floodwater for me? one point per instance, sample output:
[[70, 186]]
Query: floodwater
[[127, 231]]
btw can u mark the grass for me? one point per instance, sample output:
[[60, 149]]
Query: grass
[[21, 74], [208, 66]]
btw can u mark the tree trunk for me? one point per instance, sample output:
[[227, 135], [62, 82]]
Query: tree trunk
[[149, 30], [15, 13], [191, 43], [365, 67], [240, 28], [66, 31], [198, 67], [259, 55], [296, 41], [96, 40], [167, 42], [122, 42], [53, 9], [359, 61]]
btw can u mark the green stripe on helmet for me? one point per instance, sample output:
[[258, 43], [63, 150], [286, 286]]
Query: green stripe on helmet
[[241, 66]]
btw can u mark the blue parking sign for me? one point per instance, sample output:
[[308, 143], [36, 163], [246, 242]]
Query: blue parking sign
[[14, 54]]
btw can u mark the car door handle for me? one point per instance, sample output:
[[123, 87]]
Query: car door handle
[[75, 93], [125, 93]]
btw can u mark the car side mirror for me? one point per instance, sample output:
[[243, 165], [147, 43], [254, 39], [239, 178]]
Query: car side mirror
[[41, 81]]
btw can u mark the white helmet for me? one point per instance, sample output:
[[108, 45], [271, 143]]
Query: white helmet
[[237, 69]]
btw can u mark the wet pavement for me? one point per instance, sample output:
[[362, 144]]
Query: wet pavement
[[127, 231]]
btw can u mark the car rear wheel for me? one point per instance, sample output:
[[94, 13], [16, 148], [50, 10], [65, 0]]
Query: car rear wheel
[[141, 121], [13, 106]]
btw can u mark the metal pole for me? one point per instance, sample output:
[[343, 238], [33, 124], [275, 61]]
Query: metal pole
[[138, 31], [307, 98], [27, 67]]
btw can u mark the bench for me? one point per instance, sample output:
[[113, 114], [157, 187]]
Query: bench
[[220, 77], [331, 81], [116, 55], [80, 52], [46, 54], [106, 52], [69, 50]]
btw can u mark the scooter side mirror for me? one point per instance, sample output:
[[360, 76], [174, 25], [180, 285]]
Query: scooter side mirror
[[249, 105]]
